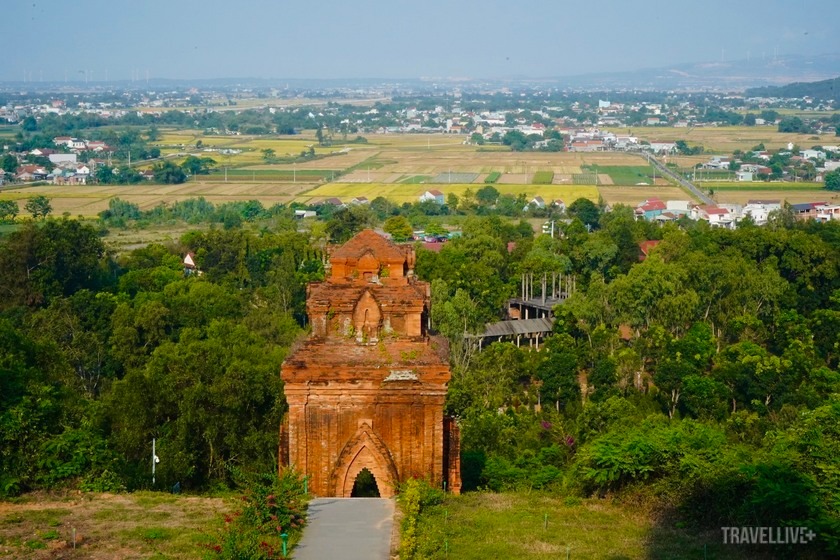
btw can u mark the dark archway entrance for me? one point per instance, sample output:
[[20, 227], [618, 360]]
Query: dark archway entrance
[[365, 485]]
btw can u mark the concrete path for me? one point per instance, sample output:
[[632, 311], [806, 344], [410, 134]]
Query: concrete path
[[347, 529]]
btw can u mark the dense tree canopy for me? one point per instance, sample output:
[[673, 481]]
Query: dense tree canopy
[[706, 373]]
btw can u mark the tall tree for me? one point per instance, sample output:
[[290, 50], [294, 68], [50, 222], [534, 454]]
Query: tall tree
[[39, 206]]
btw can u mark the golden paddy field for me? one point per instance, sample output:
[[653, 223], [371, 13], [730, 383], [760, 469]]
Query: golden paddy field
[[726, 139], [410, 193]]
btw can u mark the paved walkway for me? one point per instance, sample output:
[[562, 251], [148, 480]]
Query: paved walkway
[[347, 529]]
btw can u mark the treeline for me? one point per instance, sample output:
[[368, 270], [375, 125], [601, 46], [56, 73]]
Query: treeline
[[98, 355], [701, 382]]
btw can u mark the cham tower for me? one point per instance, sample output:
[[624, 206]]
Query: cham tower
[[366, 390]]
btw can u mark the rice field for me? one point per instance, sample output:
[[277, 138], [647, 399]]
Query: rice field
[[632, 196], [401, 168], [410, 193], [792, 196], [726, 139]]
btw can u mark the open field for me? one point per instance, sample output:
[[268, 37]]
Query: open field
[[726, 139], [88, 201], [108, 526], [250, 147], [791, 196], [534, 525], [401, 167], [760, 186], [632, 196], [400, 193]]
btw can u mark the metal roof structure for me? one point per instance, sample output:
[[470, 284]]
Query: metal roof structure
[[516, 327]]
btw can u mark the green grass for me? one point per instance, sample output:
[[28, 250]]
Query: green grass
[[493, 177], [533, 525], [415, 179], [48, 517], [625, 174], [543, 177]]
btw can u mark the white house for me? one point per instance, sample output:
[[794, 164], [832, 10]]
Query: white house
[[715, 215], [536, 202], [663, 147], [57, 159], [743, 176], [759, 210], [813, 154], [433, 195]]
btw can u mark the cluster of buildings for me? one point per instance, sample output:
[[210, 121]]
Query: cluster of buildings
[[60, 165], [728, 215], [758, 164]]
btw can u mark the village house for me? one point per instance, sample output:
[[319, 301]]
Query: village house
[[433, 195], [828, 212], [759, 210], [716, 216], [806, 210], [812, 154], [536, 203], [58, 159], [663, 147], [587, 146], [31, 172], [649, 209]]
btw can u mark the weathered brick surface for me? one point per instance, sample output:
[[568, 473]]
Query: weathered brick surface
[[367, 389]]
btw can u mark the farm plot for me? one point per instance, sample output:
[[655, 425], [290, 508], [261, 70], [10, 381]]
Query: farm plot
[[410, 193], [632, 196], [88, 201], [449, 178], [792, 196], [724, 139], [625, 174]]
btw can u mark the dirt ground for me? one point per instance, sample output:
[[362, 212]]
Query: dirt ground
[[109, 526]]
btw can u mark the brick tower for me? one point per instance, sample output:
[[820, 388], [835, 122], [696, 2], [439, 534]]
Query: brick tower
[[366, 389]]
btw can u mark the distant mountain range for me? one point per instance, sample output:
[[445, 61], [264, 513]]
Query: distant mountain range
[[823, 90], [736, 75], [733, 76]]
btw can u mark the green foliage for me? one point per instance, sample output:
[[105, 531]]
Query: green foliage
[[168, 172], [8, 210], [832, 180], [399, 228], [415, 496], [272, 506], [39, 206], [586, 211], [487, 196], [58, 259]]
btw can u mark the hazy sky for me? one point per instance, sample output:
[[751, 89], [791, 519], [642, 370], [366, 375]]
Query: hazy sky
[[50, 39]]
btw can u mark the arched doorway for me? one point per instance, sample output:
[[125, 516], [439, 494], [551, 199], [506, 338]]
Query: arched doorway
[[365, 451], [365, 485]]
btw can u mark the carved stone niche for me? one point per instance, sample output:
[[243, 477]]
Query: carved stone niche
[[368, 266], [367, 319]]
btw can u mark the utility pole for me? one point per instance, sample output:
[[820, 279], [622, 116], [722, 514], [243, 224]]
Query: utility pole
[[154, 461]]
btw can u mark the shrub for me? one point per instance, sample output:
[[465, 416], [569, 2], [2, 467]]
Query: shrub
[[272, 505], [415, 495]]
